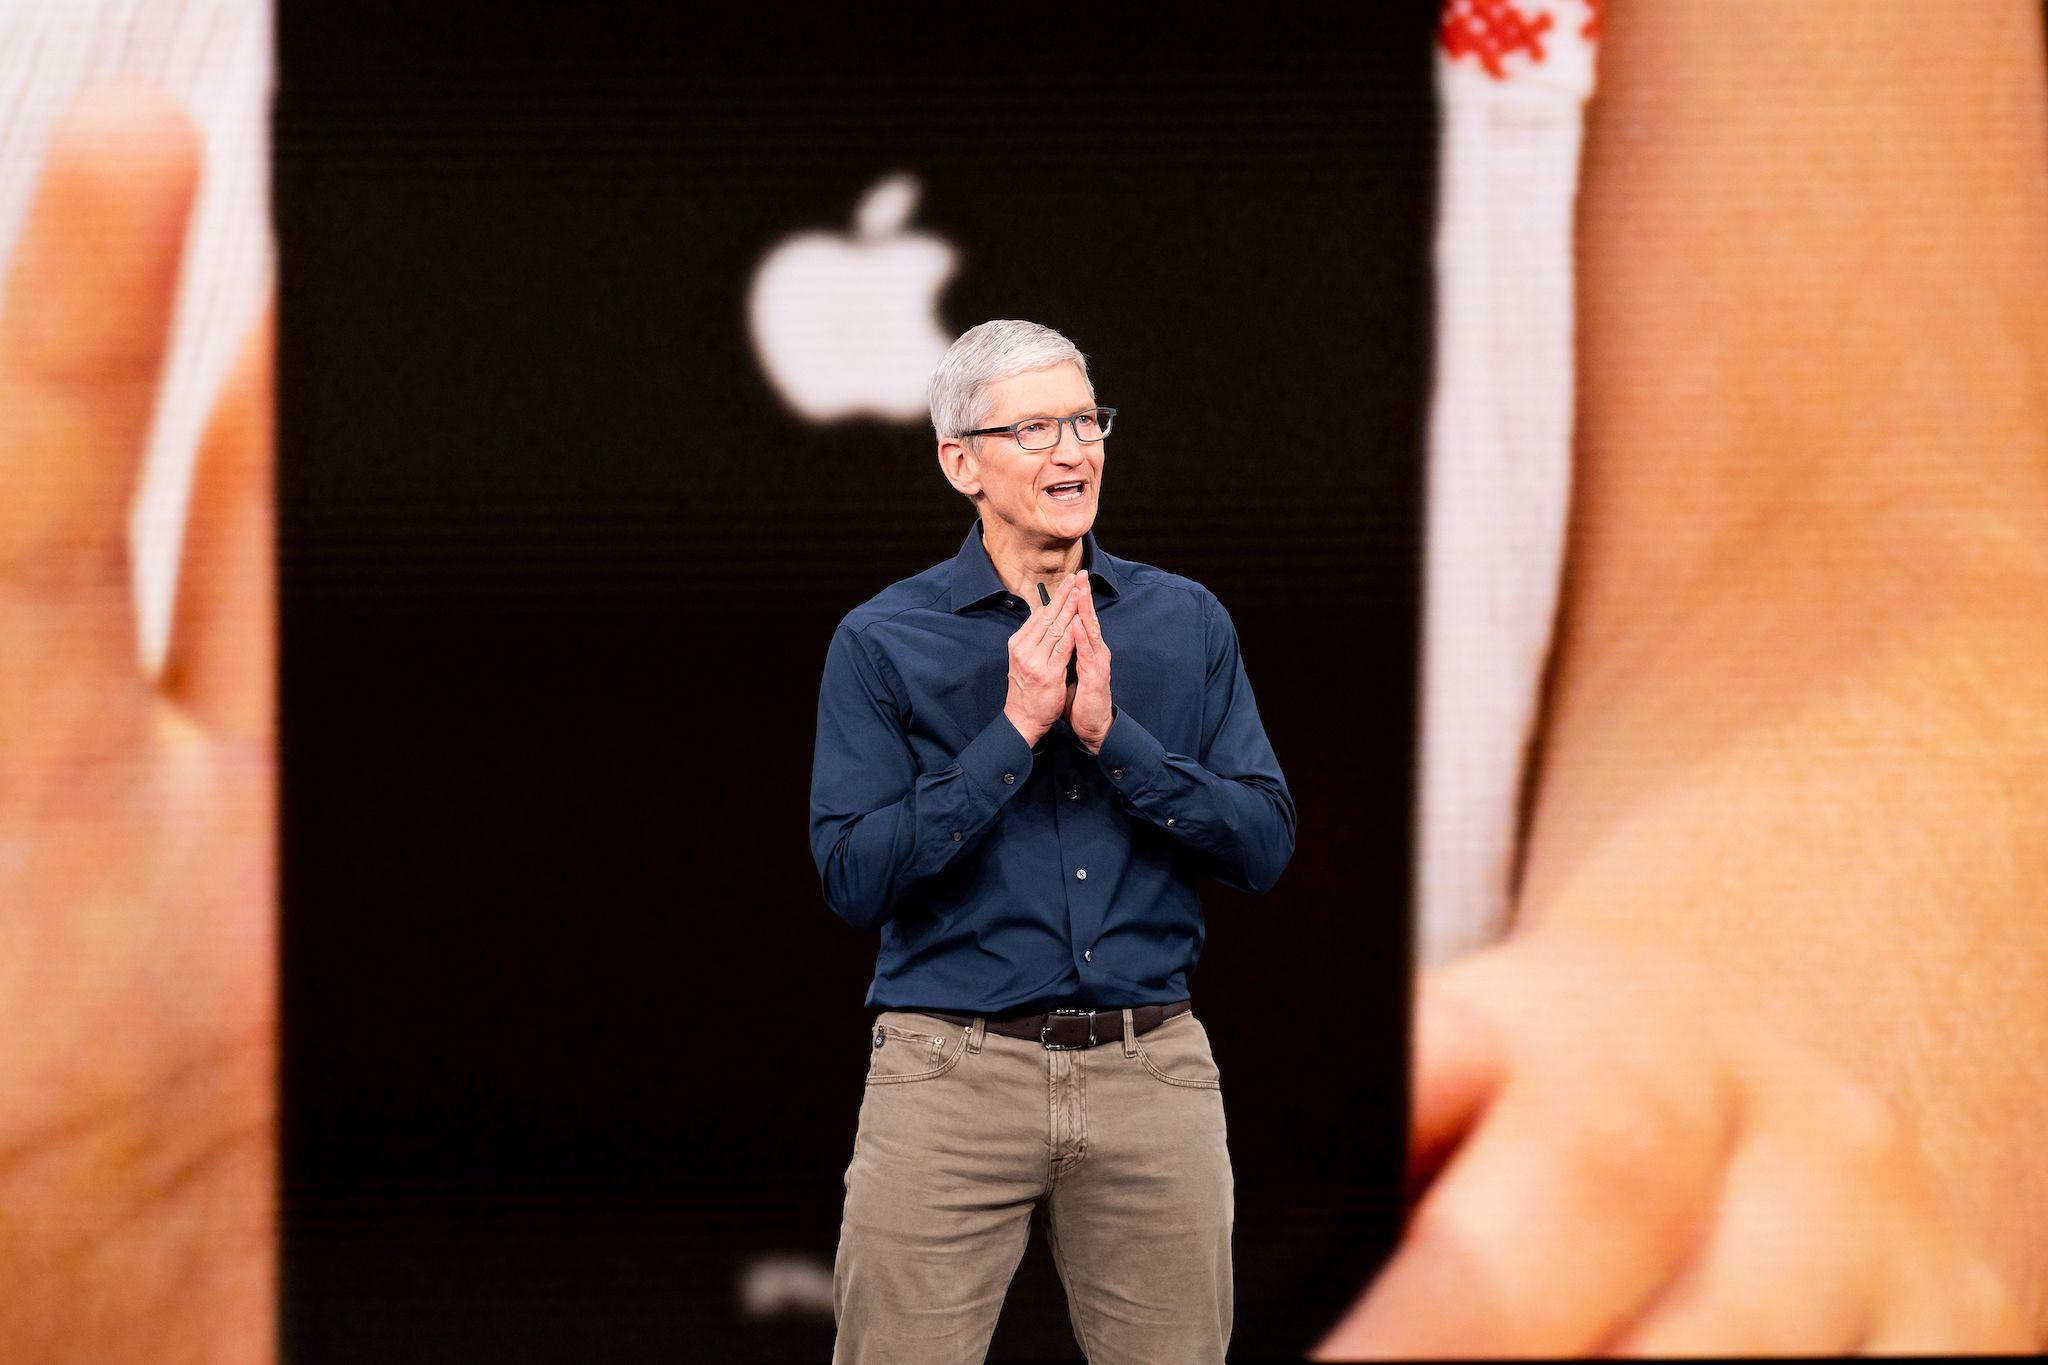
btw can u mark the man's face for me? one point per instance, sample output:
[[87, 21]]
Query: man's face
[[1017, 484]]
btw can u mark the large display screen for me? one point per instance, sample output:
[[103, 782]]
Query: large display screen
[[603, 401]]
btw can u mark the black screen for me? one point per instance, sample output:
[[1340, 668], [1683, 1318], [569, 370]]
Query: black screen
[[572, 1042]]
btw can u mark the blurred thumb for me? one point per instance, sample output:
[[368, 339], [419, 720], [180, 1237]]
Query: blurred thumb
[[1459, 1063]]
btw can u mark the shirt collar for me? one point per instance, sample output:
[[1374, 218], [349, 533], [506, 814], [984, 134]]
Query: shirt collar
[[974, 575]]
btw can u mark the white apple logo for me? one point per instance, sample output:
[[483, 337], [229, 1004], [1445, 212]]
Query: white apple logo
[[848, 326]]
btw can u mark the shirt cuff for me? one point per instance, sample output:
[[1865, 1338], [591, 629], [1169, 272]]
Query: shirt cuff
[[1130, 757], [996, 761]]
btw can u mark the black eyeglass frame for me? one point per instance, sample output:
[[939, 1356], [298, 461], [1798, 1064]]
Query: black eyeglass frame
[[1108, 415]]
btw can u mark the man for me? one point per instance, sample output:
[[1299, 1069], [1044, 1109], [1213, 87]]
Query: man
[[1029, 842]]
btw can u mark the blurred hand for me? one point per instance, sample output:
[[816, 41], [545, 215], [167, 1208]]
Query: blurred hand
[[1615, 1157], [137, 901]]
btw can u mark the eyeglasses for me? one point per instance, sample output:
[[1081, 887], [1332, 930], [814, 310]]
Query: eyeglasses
[[1043, 433]]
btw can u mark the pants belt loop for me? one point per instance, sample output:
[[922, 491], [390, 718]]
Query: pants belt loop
[[975, 1035], [1130, 1036]]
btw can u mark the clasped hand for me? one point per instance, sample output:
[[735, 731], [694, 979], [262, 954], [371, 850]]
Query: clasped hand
[[1064, 628]]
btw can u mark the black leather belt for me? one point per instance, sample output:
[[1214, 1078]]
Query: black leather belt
[[1074, 1030]]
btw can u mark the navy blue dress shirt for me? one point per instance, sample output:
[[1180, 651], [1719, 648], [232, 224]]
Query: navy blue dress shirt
[[1008, 878]]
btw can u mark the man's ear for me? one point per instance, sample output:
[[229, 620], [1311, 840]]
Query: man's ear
[[960, 465]]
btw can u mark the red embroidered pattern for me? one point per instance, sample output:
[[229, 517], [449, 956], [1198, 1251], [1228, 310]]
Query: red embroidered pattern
[[1490, 30], [1592, 28]]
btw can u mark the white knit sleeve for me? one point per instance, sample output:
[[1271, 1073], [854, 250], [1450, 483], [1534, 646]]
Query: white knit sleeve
[[1512, 80]]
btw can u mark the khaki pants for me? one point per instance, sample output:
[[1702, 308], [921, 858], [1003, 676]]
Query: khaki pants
[[964, 1133]]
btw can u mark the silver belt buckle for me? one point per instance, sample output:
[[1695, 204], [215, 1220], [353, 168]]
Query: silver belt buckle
[[1044, 1028]]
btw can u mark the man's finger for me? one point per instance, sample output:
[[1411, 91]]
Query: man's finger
[[1042, 618], [1066, 644], [1087, 660], [1576, 1200], [1059, 637], [222, 646], [82, 332], [1044, 611], [1086, 614], [1097, 658]]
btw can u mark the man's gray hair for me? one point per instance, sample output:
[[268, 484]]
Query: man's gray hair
[[987, 355]]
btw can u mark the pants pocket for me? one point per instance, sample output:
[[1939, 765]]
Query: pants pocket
[[1177, 1052], [911, 1047]]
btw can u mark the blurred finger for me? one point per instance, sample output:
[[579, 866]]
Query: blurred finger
[[222, 647], [1459, 1063], [82, 338], [1086, 593], [1574, 1203], [1788, 1270], [1963, 1308], [82, 334]]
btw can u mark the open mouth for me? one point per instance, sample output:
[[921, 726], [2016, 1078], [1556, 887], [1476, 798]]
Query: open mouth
[[1067, 492]]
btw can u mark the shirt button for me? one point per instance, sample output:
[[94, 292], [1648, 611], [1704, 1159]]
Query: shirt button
[[956, 836], [1117, 773], [1170, 822], [1081, 874], [1088, 956], [1073, 793], [1009, 777]]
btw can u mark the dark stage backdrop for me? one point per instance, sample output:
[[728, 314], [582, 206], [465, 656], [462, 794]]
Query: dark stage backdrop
[[572, 1044]]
